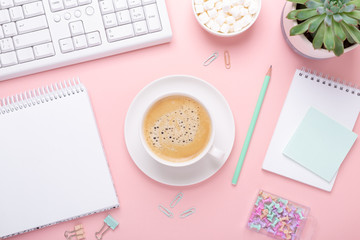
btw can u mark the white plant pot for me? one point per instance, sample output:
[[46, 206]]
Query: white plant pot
[[299, 43]]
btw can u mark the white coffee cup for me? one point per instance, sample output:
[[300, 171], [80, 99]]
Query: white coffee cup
[[210, 150]]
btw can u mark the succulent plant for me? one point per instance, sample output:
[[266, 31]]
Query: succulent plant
[[330, 22]]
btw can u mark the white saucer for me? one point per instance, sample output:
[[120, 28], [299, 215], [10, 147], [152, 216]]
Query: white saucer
[[223, 123]]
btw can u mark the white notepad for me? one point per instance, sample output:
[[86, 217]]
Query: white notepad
[[338, 101], [52, 164]]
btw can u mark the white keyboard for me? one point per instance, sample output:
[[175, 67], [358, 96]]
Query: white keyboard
[[40, 35]]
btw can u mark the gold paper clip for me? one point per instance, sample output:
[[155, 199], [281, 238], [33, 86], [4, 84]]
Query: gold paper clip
[[78, 232], [210, 59], [176, 200], [187, 213], [166, 211], [227, 59]]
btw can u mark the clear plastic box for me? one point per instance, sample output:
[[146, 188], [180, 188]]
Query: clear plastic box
[[277, 217]]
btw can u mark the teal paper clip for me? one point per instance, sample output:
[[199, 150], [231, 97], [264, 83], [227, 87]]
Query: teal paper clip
[[187, 213], [176, 200], [166, 211], [109, 222]]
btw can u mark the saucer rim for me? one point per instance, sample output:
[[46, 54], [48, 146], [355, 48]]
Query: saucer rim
[[135, 101]]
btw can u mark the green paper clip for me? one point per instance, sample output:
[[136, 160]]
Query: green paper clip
[[109, 222], [187, 213], [176, 200]]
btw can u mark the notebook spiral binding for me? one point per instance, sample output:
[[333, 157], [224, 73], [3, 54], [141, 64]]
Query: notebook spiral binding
[[40, 95], [330, 82]]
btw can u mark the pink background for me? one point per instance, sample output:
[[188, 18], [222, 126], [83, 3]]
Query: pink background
[[222, 209]]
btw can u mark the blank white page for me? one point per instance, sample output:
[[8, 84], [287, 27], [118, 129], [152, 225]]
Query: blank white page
[[309, 90], [52, 165]]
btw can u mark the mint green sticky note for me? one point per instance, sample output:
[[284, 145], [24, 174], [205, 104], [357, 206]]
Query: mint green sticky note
[[320, 144]]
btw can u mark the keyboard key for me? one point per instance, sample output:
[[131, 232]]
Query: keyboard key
[[32, 38], [1, 33], [137, 14], [44, 50], [80, 42], [110, 20], [134, 3], [84, 2], [152, 18], [77, 13], [140, 28], [8, 59], [56, 5], [106, 6], [66, 45], [76, 28], [9, 29], [4, 16], [120, 32], [33, 9], [89, 10], [93, 39], [144, 2], [6, 45], [70, 3], [22, 2], [32, 24], [16, 13], [123, 17], [25, 55], [120, 5], [67, 16], [6, 3]]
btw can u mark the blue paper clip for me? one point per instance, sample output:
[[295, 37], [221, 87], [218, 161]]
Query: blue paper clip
[[176, 200], [210, 59], [109, 222], [187, 213], [166, 211]]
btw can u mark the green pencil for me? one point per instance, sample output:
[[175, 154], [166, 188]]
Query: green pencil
[[251, 127]]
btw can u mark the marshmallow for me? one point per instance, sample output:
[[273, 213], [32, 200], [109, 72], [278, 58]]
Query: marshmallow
[[247, 3], [246, 20], [230, 20], [225, 28], [220, 19], [226, 5], [199, 8], [215, 27], [212, 13], [226, 16], [238, 25], [210, 23], [204, 18], [209, 5], [243, 11], [231, 28], [235, 11], [253, 8], [219, 5]]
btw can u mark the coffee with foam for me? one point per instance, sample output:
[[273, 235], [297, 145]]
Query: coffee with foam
[[177, 128]]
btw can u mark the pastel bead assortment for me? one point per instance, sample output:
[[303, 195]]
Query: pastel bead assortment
[[226, 16], [277, 217]]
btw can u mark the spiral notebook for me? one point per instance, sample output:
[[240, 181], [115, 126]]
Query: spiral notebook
[[309, 89], [52, 164]]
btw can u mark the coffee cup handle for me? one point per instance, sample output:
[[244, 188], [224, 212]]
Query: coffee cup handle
[[216, 153]]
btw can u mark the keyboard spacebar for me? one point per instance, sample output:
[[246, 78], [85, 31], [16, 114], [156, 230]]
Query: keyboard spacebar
[[32, 39]]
